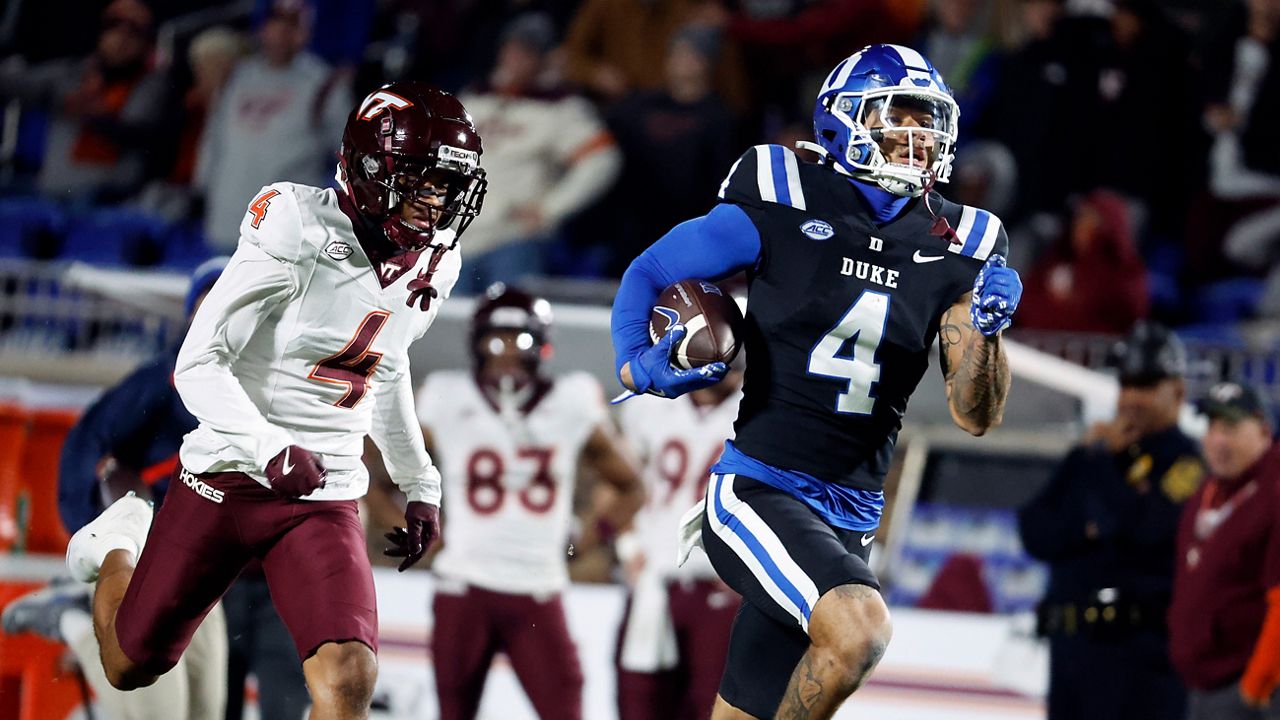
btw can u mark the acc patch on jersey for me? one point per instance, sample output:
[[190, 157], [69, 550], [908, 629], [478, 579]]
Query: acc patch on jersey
[[817, 229], [338, 250]]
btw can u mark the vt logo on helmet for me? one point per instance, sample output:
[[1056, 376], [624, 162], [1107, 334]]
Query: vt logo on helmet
[[379, 101], [885, 115], [410, 163]]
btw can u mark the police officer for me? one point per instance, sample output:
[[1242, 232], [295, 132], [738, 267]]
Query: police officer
[[1106, 524]]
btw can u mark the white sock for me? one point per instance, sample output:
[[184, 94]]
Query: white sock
[[74, 625]]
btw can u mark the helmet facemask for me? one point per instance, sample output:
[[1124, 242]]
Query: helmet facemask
[[510, 340], [920, 124], [451, 195]]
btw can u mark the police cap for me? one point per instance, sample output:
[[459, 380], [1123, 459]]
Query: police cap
[[1148, 355]]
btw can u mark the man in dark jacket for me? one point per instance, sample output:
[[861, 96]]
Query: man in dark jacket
[[1105, 524], [1224, 621]]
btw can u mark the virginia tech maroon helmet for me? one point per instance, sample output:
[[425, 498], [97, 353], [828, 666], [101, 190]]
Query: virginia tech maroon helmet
[[401, 137], [505, 308]]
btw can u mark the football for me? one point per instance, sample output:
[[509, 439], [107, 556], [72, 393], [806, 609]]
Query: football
[[711, 317]]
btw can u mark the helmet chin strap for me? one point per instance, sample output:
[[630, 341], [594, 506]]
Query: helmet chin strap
[[827, 158], [870, 176], [940, 227]]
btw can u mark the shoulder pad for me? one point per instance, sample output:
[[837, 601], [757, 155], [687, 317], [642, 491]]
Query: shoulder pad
[[981, 233], [273, 222], [765, 174]]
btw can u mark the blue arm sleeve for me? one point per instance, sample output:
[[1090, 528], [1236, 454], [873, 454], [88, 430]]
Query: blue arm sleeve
[[108, 422], [711, 247]]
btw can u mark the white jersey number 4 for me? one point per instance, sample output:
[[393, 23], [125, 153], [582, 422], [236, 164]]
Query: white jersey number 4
[[864, 321], [354, 364]]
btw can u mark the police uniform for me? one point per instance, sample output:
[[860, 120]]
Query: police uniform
[[1106, 525], [841, 317]]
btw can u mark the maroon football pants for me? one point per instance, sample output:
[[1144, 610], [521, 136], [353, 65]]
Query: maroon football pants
[[702, 613], [209, 527], [473, 626]]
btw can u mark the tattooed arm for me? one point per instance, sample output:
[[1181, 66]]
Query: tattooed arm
[[975, 369]]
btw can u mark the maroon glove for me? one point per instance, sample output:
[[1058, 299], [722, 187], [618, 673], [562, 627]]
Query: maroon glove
[[295, 472], [423, 527]]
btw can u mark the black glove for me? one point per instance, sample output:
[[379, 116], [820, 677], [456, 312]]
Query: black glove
[[422, 521], [295, 472]]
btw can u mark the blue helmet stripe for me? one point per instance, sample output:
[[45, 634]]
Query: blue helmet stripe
[[835, 72], [911, 58], [781, 190]]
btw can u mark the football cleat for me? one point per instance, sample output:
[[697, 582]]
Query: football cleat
[[40, 611], [122, 526]]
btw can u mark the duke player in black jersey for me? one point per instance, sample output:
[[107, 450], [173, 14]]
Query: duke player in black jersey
[[855, 266]]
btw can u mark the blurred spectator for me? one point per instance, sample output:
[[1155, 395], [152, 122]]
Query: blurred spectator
[[1093, 279], [1046, 94], [212, 55], [1224, 622], [275, 120], [1242, 110], [788, 46], [1146, 64], [959, 586], [458, 40], [614, 47], [1243, 101], [985, 176], [1106, 524], [546, 153], [340, 28], [678, 143], [103, 109], [25, 24], [959, 45]]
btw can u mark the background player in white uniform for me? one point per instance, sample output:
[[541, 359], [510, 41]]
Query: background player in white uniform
[[299, 351], [671, 648], [510, 440]]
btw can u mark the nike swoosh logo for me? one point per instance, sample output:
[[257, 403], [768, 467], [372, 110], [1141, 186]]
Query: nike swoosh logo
[[926, 258], [866, 539], [287, 466]]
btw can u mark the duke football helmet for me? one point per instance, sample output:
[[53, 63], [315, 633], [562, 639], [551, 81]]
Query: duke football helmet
[[405, 141], [896, 82], [508, 309]]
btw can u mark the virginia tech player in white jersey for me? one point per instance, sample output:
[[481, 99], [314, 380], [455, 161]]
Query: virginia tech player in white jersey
[[678, 442], [298, 351], [679, 617], [510, 476], [510, 440], [318, 338]]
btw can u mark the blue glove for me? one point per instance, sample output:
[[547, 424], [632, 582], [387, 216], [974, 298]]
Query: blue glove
[[653, 373], [996, 293]]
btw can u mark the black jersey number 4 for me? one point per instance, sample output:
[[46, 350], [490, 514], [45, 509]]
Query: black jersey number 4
[[863, 323]]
